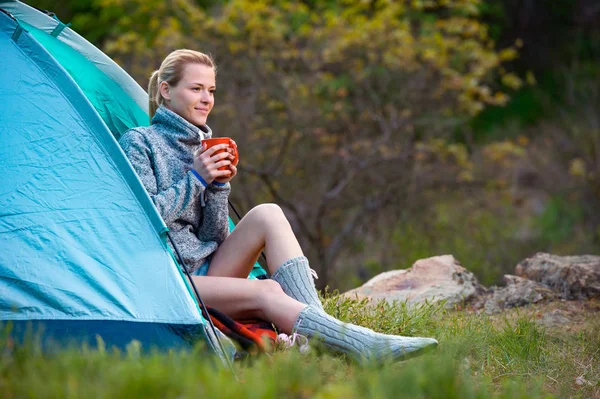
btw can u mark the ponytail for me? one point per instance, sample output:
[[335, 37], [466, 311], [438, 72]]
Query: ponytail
[[153, 95]]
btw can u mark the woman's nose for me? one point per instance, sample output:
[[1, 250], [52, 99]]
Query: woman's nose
[[206, 97]]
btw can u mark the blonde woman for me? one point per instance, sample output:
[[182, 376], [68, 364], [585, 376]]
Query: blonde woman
[[190, 192]]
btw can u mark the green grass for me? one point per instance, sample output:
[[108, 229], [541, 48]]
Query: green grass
[[479, 357]]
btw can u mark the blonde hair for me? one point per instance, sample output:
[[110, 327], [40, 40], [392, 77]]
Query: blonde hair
[[171, 71]]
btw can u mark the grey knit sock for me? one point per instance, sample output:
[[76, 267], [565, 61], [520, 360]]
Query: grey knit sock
[[296, 279], [359, 342]]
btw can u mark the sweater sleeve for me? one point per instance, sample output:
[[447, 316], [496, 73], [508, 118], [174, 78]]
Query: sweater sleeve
[[215, 223], [172, 202]]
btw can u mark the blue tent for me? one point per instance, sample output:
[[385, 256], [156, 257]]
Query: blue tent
[[83, 250]]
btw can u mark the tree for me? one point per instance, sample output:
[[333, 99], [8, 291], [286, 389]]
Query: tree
[[342, 112]]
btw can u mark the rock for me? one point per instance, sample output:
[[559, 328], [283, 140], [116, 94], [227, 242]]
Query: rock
[[433, 279], [554, 318], [582, 381], [517, 292], [572, 277]]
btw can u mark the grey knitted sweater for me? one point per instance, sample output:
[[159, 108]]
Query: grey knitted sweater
[[162, 156]]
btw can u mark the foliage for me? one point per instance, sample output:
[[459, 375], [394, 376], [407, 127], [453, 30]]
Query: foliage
[[479, 357], [476, 233], [330, 103], [362, 120]]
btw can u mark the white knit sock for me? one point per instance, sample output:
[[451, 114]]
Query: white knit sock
[[296, 280], [359, 342]]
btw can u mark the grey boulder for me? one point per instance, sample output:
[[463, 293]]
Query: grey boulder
[[432, 279]]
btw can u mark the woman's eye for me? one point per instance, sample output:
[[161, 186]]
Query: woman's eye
[[212, 91]]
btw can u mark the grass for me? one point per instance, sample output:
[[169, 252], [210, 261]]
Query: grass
[[480, 356]]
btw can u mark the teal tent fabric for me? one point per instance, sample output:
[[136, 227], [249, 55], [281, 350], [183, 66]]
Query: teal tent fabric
[[82, 249], [101, 236], [112, 103], [69, 37], [117, 98]]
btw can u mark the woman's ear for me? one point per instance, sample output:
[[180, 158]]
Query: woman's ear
[[164, 90]]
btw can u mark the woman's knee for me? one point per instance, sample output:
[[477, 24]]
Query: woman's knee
[[267, 214], [270, 289], [268, 209]]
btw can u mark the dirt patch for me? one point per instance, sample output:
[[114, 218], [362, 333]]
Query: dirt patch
[[560, 316]]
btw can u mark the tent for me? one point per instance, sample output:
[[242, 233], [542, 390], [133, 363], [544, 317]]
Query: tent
[[83, 251]]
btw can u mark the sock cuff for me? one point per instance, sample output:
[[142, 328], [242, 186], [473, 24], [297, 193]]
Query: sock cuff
[[301, 316], [289, 263], [297, 281]]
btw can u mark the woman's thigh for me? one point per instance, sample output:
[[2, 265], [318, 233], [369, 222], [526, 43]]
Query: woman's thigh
[[236, 256], [264, 225], [236, 297], [241, 298]]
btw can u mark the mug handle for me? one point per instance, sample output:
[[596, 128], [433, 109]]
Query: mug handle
[[234, 146]]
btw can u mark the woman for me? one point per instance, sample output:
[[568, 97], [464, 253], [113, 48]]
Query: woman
[[190, 192]]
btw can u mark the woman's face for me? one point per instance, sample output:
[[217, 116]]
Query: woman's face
[[193, 97]]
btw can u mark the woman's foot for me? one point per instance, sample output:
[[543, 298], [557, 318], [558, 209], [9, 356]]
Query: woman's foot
[[359, 342]]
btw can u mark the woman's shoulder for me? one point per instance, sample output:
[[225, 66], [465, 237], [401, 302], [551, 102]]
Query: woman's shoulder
[[136, 135]]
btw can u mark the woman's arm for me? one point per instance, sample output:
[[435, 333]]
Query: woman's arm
[[172, 202], [215, 221]]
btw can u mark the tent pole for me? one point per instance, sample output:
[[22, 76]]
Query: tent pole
[[240, 218], [202, 305]]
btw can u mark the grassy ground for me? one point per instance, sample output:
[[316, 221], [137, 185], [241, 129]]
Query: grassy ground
[[512, 355]]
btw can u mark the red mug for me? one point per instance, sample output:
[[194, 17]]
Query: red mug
[[223, 140]]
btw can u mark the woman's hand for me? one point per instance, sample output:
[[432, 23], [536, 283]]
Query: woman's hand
[[207, 163], [232, 168]]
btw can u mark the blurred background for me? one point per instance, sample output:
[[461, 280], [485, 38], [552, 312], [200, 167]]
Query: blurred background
[[391, 131]]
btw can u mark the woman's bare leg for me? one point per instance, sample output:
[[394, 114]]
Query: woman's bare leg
[[226, 288], [265, 299], [264, 227], [240, 298]]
